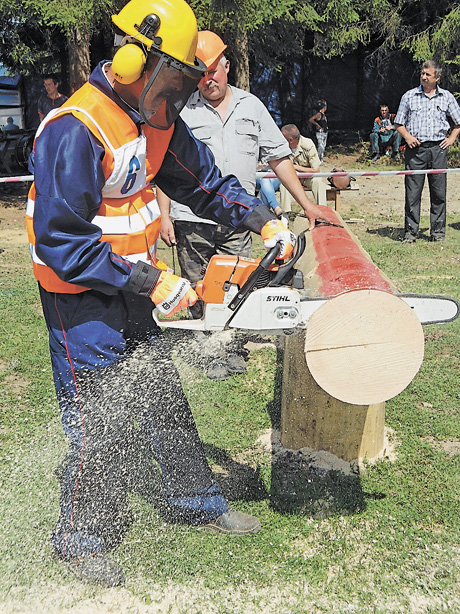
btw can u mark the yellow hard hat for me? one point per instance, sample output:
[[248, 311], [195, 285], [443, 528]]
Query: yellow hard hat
[[209, 47], [167, 25]]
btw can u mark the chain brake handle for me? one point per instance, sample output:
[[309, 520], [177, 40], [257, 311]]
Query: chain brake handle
[[267, 260]]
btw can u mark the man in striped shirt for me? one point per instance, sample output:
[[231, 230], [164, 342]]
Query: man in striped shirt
[[423, 121]]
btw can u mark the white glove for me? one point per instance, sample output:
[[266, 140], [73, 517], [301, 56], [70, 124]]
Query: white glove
[[283, 217]]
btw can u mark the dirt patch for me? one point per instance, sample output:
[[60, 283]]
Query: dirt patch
[[12, 224], [451, 447]]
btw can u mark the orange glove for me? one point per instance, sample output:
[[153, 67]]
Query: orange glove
[[274, 232], [173, 293]]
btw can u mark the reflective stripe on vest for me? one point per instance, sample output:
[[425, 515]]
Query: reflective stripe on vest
[[129, 216]]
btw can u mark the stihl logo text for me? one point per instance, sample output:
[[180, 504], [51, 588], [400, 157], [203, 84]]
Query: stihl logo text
[[278, 299]]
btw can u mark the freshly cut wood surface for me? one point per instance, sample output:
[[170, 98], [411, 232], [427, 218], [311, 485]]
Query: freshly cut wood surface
[[364, 347]]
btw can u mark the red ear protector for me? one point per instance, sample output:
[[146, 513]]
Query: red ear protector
[[128, 63]]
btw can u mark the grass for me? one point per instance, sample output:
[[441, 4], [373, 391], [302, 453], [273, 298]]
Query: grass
[[387, 541]]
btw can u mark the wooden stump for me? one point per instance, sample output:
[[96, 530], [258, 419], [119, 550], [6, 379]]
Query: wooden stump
[[310, 417]]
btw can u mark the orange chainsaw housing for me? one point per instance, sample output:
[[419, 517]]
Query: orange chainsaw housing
[[221, 272]]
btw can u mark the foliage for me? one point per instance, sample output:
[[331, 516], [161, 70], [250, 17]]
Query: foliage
[[33, 33]]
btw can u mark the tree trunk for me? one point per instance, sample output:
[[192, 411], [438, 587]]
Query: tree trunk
[[79, 59], [234, 36], [241, 57]]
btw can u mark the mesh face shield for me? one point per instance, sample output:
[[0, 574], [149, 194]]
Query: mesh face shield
[[168, 89]]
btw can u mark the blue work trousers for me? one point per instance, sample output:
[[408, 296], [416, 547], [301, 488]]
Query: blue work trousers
[[127, 420]]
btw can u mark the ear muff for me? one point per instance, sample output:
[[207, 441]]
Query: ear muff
[[128, 63]]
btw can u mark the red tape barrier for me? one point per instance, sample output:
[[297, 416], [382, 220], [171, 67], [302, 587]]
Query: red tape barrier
[[429, 171]]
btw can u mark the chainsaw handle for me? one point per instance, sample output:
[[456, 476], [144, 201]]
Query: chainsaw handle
[[248, 286], [287, 267]]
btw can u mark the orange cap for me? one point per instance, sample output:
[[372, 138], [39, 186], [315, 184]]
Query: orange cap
[[209, 47]]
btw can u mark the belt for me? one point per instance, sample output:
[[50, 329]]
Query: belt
[[430, 143]]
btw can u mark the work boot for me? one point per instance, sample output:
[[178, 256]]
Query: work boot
[[437, 238], [98, 569], [235, 363], [233, 523], [397, 157], [217, 370], [409, 238], [375, 157]]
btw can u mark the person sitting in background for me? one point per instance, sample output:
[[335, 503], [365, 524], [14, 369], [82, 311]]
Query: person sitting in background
[[384, 134], [319, 122], [267, 188], [304, 157], [53, 99]]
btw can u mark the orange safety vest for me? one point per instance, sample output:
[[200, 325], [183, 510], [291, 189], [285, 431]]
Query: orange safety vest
[[129, 220]]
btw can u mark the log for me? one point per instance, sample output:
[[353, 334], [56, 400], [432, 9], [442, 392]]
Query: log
[[364, 345], [312, 418], [361, 348]]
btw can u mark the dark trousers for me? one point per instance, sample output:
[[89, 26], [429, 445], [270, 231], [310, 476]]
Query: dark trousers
[[426, 157]]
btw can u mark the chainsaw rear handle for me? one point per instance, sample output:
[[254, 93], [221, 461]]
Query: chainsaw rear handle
[[266, 261]]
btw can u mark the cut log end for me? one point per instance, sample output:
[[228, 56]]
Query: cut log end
[[364, 347]]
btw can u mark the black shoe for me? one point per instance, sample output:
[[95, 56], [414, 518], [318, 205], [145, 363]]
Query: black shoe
[[375, 157], [409, 238], [217, 370], [96, 569], [437, 238], [235, 363], [233, 523], [397, 157]]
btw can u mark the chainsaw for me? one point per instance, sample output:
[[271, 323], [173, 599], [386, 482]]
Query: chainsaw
[[268, 297]]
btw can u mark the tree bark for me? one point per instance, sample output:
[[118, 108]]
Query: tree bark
[[241, 57], [79, 59]]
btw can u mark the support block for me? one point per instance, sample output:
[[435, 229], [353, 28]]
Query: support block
[[311, 418]]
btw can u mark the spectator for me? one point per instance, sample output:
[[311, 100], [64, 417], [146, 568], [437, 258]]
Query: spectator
[[267, 193], [305, 158], [384, 134], [267, 188], [423, 121], [53, 99], [319, 121], [11, 127]]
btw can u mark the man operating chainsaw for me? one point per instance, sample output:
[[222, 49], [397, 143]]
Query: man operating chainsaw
[[93, 223]]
